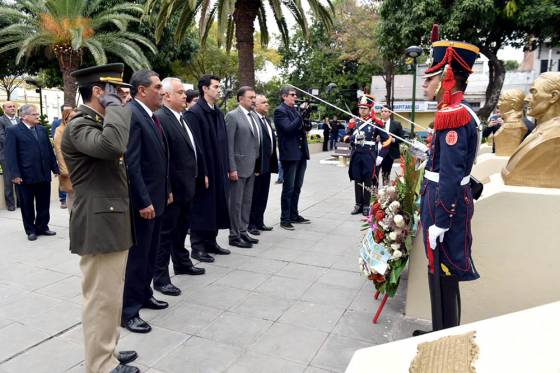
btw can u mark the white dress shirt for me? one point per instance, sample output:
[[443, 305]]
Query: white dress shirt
[[180, 119], [252, 123]]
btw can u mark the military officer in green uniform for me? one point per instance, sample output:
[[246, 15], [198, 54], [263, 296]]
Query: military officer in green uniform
[[100, 225]]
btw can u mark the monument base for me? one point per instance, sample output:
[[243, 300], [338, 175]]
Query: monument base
[[488, 164]]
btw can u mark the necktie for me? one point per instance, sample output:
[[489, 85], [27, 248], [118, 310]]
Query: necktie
[[34, 132], [255, 127], [189, 134], [268, 130]]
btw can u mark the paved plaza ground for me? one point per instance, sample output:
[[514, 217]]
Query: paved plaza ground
[[295, 302]]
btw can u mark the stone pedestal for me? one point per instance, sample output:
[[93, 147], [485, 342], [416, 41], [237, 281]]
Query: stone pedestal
[[515, 250], [488, 164]]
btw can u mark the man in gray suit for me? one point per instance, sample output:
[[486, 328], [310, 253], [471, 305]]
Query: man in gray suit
[[244, 137], [7, 120]]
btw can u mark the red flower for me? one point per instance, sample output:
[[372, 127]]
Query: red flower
[[378, 278], [376, 207], [379, 215], [379, 236]]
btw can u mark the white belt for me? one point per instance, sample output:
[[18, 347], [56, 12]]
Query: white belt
[[434, 176], [371, 143]]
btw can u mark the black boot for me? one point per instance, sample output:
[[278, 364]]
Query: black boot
[[450, 301]]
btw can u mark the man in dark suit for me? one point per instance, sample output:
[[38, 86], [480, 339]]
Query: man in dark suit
[[294, 153], [30, 159], [209, 205], [147, 161], [268, 165], [7, 120], [393, 127], [244, 146], [185, 170]]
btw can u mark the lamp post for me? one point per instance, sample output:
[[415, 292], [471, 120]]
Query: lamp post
[[413, 52], [39, 90]]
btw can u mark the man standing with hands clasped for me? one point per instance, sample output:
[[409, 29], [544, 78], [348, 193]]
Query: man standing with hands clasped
[[93, 145], [244, 147], [185, 170]]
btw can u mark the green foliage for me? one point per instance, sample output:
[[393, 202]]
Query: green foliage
[[511, 65], [347, 56]]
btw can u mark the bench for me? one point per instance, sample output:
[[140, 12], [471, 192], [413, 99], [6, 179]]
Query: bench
[[342, 151]]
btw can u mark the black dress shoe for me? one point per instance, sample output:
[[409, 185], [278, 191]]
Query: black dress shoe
[[263, 227], [11, 208], [238, 242], [420, 332], [254, 231], [300, 220], [47, 233], [218, 250], [31, 236], [136, 325], [366, 211], [125, 357], [155, 304], [192, 270], [287, 226], [202, 256], [168, 289], [245, 237], [125, 369], [357, 210]]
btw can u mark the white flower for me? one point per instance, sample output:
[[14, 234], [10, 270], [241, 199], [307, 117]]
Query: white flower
[[399, 221], [394, 206], [391, 190], [393, 236], [397, 253]]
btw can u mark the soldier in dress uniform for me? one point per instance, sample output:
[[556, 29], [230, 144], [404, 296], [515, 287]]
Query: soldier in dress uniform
[[447, 200], [367, 153], [93, 146]]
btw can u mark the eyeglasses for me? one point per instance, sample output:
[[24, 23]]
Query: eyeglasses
[[292, 94]]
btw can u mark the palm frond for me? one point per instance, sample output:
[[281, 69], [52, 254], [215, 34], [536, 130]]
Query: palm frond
[[139, 39], [280, 20], [33, 43], [187, 16], [120, 20], [96, 49], [261, 15], [208, 26], [229, 33], [323, 14], [297, 11]]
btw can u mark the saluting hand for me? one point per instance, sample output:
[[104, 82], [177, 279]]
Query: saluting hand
[[148, 212]]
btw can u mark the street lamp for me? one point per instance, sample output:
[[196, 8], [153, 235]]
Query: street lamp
[[413, 52], [39, 90]]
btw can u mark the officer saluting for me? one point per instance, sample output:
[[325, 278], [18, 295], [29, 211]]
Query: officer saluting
[[367, 153], [100, 225], [447, 201]]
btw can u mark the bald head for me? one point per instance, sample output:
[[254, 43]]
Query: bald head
[[261, 105], [9, 108]]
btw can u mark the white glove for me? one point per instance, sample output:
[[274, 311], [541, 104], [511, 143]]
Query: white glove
[[378, 160], [435, 233]]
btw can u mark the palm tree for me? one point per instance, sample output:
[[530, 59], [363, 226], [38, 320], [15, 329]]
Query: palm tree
[[237, 17], [66, 29]]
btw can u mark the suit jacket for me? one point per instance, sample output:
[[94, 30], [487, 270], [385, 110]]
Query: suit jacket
[[29, 158], [396, 128], [269, 158], [292, 138], [243, 142], [93, 149], [185, 158], [147, 161], [5, 123]]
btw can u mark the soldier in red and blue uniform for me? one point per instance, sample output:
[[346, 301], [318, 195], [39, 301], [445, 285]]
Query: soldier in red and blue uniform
[[446, 197], [367, 153]]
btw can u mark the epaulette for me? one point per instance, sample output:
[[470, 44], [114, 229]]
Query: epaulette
[[450, 117]]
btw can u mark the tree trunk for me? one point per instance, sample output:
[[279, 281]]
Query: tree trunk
[[495, 83], [388, 71], [244, 18], [68, 61]]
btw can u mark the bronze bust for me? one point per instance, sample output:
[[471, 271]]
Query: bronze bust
[[534, 162], [512, 131]]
